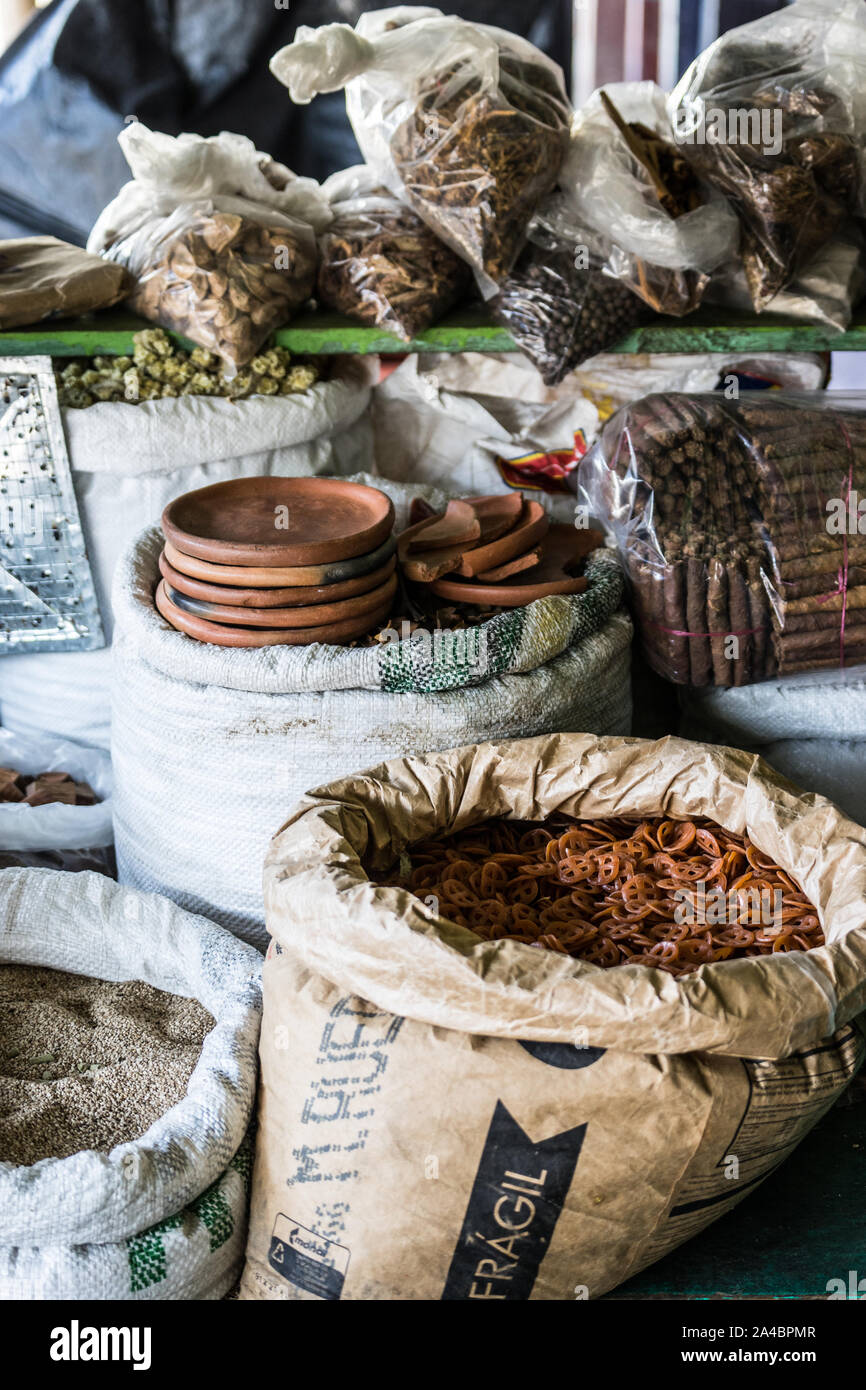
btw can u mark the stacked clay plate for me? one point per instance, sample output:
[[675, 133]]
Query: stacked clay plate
[[261, 562], [500, 551]]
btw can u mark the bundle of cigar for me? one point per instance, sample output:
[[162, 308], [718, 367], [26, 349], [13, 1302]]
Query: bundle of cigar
[[723, 510], [810, 470]]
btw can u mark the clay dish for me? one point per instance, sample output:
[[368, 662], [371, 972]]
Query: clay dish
[[563, 549], [457, 525], [274, 577], [279, 521], [497, 514], [312, 616], [297, 597], [531, 527], [523, 562], [223, 636]]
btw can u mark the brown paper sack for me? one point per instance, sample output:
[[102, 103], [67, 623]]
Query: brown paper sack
[[447, 1118]]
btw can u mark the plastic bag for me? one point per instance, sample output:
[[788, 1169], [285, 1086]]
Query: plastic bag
[[56, 827], [662, 233], [219, 238], [560, 311], [734, 521], [379, 263], [822, 293], [41, 277], [468, 123], [769, 115]]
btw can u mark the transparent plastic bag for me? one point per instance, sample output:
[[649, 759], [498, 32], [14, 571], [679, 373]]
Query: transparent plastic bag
[[738, 524], [662, 232], [823, 293], [219, 238], [467, 123], [380, 263], [560, 311], [771, 114]]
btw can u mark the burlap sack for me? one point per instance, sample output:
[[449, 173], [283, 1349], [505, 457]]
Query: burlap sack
[[445, 1118]]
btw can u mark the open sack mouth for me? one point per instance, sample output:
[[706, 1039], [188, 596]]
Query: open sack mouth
[[670, 895], [691, 869]]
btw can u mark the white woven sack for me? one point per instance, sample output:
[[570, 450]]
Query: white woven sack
[[212, 747], [810, 726], [833, 767], [814, 704], [128, 461], [164, 1216]]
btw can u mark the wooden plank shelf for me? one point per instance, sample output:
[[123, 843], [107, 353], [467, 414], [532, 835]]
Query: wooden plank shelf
[[465, 330]]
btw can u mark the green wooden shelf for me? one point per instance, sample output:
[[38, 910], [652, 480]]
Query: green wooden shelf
[[465, 330]]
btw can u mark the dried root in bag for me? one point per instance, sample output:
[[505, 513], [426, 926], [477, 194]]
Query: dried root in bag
[[475, 161], [768, 115], [659, 230], [381, 264], [733, 520], [465, 122]]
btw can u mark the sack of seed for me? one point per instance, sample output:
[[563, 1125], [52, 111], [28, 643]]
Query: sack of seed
[[661, 230], [771, 115], [737, 523], [452, 1114], [467, 123], [220, 239], [558, 304], [380, 263]]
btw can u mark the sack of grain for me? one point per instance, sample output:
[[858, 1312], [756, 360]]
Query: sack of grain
[[809, 726], [128, 461], [445, 1117], [163, 1216], [211, 745]]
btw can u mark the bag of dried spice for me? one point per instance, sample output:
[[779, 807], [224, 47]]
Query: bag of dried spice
[[466, 122], [771, 114], [220, 239], [476, 1108], [737, 521], [380, 263], [558, 303], [626, 179]]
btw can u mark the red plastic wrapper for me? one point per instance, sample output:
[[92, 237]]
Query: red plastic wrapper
[[739, 525]]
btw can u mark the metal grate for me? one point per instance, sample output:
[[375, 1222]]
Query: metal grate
[[47, 599]]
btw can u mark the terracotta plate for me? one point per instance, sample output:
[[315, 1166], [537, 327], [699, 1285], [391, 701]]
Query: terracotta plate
[[272, 577], [563, 548], [221, 635], [297, 597], [279, 521], [457, 525], [312, 616]]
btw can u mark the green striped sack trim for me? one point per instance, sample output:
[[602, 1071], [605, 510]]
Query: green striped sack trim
[[519, 639]]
